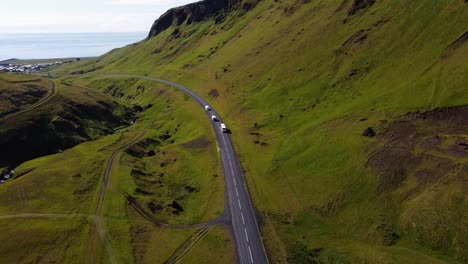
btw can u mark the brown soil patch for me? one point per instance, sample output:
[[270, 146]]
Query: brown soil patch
[[214, 93], [197, 143], [428, 146]]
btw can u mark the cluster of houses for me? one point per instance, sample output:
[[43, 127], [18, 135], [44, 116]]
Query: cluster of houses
[[21, 68], [28, 68]]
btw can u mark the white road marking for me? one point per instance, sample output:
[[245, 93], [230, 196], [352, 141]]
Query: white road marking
[[227, 147], [237, 193], [243, 220], [246, 236], [238, 201], [235, 183]]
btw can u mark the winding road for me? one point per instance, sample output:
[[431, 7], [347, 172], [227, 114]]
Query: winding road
[[250, 248]]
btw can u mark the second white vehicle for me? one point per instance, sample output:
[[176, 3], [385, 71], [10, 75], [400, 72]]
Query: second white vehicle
[[223, 128], [214, 118]]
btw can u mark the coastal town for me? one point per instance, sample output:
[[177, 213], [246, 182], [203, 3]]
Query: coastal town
[[16, 67]]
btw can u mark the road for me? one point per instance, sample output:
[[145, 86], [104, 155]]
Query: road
[[52, 93], [250, 248]]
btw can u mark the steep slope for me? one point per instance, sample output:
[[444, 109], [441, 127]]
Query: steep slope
[[18, 92], [72, 116], [300, 82]]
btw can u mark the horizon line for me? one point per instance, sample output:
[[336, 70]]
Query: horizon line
[[77, 32]]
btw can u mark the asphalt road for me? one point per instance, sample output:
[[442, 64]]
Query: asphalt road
[[249, 243]]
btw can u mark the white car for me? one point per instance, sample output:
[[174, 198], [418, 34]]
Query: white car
[[223, 128], [207, 108], [214, 118]]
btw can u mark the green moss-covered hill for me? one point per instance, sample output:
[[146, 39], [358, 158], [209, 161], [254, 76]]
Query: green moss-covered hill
[[349, 116], [38, 119]]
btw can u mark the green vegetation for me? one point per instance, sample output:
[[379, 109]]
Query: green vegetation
[[58, 194], [66, 117], [20, 91], [298, 82]]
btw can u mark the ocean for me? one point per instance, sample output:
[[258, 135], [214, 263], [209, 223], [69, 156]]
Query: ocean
[[63, 45]]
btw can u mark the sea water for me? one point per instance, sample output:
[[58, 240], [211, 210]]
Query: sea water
[[63, 45]]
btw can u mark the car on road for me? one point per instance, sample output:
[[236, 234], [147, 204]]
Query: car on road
[[207, 108], [223, 128], [214, 118]]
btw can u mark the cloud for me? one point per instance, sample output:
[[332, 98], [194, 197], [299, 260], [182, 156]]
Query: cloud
[[82, 16], [79, 23], [151, 2]]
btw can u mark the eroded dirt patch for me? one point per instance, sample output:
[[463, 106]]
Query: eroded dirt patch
[[429, 146], [197, 143]]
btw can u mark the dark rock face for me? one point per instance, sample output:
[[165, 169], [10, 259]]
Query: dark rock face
[[360, 4], [197, 12]]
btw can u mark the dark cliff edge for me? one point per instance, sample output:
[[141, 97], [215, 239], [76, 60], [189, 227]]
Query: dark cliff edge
[[198, 12]]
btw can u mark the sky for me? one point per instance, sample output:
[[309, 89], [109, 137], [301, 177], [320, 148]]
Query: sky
[[73, 16]]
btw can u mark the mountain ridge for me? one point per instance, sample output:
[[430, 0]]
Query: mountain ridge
[[197, 12]]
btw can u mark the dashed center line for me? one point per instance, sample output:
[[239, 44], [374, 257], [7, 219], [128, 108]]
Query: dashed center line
[[246, 236], [243, 220], [250, 252], [237, 193], [238, 201]]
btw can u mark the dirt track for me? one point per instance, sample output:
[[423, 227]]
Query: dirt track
[[100, 227], [39, 215], [50, 95]]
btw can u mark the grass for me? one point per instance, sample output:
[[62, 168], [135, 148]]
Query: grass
[[301, 74], [39, 238], [216, 247], [20, 91], [73, 115], [73, 179]]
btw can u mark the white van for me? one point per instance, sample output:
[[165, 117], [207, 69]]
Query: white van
[[207, 108], [223, 128]]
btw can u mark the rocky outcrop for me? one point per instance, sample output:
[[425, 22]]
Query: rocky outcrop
[[198, 12], [360, 4]]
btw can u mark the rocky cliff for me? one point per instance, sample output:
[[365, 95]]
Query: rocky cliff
[[197, 12]]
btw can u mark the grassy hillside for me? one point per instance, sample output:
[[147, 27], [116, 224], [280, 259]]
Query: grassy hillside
[[69, 116], [298, 83], [53, 200], [18, 92]]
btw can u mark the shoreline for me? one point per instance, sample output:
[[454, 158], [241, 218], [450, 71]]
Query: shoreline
[[14, 61]]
